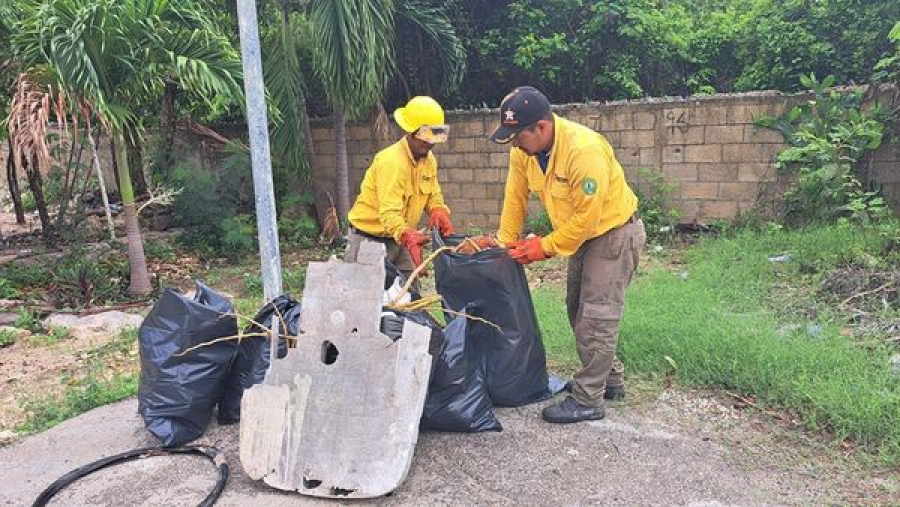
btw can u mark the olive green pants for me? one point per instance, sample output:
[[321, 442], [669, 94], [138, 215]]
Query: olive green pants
[[597, 277]]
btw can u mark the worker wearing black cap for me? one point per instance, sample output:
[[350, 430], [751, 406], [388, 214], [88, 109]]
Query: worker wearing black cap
[[574, 172]]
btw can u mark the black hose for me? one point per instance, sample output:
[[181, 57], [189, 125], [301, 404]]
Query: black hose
[[214, 454]]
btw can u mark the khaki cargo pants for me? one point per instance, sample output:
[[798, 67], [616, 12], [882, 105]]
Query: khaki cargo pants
[[597, 277], [395, 253]]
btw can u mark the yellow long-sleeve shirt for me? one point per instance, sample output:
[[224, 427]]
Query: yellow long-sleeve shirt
[[584, 189], [395, 191]]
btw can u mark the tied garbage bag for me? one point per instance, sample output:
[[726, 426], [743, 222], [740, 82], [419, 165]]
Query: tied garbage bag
[[392, 327], [252, 359], [177, 394], [457, 398], [513, 357]]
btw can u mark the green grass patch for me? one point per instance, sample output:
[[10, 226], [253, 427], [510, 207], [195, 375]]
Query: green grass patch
[[712, 318], [7, 337], [87, 391], [559, 341]]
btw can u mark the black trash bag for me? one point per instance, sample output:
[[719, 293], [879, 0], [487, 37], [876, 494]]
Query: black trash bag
[[515, 363], [457, 398], [252, 359], [392, 326], [391, 273], [177, 395]]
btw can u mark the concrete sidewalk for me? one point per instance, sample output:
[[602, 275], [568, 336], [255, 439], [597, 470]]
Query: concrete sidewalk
[[637, 456]]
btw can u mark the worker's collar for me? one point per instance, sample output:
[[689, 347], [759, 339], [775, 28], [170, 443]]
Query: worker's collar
[[408, 149]]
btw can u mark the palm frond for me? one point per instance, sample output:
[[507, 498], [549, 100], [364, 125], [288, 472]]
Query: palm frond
[[29, 120], [355, 50], [436, 27], [284, 81]]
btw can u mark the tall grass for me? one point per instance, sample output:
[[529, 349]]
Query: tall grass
[[711, 316]]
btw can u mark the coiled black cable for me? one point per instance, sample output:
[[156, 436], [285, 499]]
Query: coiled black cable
[[214, 454]]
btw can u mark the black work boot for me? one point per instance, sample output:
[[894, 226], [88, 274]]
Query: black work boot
[[611, 393], [614, 393], [570, 411]]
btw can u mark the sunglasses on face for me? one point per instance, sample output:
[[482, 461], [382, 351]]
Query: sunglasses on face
[[433, 134]]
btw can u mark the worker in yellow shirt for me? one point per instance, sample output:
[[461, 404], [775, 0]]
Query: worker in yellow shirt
[[400, 184], [574, 172]]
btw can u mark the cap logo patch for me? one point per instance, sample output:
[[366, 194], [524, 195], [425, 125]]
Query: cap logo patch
[[509, 117], [589, 186]]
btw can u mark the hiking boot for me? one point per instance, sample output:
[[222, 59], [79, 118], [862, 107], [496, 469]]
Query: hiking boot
[[570, 411], [614, 393], [611, 393]]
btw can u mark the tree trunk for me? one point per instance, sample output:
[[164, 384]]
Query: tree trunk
[[114, 151], [140, 279], [136, 165], [320, 188], [12, 177], [343, 170], [103, 193], [70, 177], [166, 156], [36, 183]]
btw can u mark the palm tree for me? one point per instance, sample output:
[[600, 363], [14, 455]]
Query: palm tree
[[355, 59], [115, 55]]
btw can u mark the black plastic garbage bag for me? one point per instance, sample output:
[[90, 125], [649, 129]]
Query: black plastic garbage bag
[[177, 395], [515, 363], [252, 360], [457, 398], [392, 326]]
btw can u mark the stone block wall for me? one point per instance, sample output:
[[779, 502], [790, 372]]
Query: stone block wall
[[708, 148]]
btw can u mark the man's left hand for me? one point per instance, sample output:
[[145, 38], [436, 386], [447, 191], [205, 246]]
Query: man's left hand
[[440, 220], [528, 250]]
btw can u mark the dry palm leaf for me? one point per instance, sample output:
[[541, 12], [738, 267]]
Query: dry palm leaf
[[331, 230], [29, 119]]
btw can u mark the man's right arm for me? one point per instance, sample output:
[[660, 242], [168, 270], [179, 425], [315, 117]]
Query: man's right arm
[[515, 201]]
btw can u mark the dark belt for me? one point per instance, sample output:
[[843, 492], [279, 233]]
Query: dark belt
[[370, 236], [631, 220]]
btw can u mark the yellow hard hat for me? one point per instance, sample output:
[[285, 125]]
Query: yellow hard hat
[[419, 111]]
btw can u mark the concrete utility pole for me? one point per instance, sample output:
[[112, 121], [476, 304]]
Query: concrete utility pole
[[258, 125]]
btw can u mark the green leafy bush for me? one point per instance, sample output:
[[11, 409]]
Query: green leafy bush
[[302, 231], [27, 319], [828, 135], [210, 204], [26, 276], [155, 249], [7, 337], [7, 291], [654, 204]]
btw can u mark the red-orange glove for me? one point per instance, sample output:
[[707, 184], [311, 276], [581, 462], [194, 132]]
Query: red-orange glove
[[413, 241], [440, 220], [527, 251]]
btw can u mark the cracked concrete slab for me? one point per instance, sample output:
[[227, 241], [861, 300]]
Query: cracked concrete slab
[[339, 415]]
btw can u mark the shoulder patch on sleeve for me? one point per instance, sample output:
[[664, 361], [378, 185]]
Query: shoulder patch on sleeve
[[589, 186]]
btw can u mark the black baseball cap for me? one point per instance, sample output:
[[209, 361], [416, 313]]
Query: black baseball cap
[[522, 108]]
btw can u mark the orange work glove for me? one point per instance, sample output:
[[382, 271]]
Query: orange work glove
[[527, 251], [413, 241], [440, 220]]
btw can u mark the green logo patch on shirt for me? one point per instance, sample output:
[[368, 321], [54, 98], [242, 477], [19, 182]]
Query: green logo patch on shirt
[[589, 186]]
